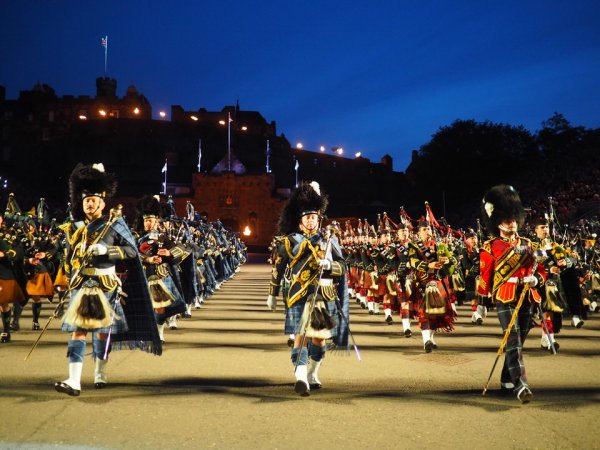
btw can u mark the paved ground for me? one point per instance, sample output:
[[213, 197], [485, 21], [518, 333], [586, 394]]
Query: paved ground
[[225, 381]]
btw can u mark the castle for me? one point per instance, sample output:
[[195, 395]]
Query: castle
[[231, 164]]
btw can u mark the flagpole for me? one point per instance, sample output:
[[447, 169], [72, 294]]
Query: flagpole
[[199, 155], [105, 54], [296, 169], [268, 156], [165, 169], [229, 141]]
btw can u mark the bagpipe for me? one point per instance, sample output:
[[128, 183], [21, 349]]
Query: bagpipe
[[156, 241]]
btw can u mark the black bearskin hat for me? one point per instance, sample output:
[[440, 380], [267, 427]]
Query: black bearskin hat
[[148, 206], [89, 180], [501, 204], [470, 233], [306, 199], [423, 223], [539, 220]]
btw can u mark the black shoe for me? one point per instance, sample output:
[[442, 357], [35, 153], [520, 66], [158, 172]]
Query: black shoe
[[14, 326], [4, 338], [479, 321], [556, 347], [290, 342], [100, 385], [314, 386], [524, 395], [428, 347], [302, 388], [35, 326], [186, 315], [371, 312], [407, 333], [389, 320], [66, 389], [434, 345]]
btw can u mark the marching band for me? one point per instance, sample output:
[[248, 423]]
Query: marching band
[[124, 284]]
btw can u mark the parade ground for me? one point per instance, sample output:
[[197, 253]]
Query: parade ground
[[225, 381]]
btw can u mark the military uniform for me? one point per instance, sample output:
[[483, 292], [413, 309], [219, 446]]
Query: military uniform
[[11, 277], [95, 246], [315, 267], [509, 271]]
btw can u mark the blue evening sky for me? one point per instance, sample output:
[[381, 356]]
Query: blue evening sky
[[372, 76]]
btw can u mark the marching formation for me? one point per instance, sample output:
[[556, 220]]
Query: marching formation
[[124, 285], [119, 284], [417, 272]]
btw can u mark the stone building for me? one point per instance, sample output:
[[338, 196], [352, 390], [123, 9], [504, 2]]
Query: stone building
[[215, 159]]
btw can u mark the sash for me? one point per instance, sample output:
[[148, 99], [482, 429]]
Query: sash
[[506, 266], [305, 271]]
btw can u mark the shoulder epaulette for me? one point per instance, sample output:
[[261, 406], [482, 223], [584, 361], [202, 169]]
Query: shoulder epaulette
[[487, 246]]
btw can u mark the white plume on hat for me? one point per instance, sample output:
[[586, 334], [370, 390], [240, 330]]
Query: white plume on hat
[[316, 187], [99, 167]]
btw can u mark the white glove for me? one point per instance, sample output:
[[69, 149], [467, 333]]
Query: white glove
[[531, 280], [272, 303], [325, 264], [98, 249]]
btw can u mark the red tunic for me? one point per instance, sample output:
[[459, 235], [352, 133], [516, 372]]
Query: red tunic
[[520, 265]]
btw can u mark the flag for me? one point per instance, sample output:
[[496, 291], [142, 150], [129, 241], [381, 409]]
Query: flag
[[164, 169], [230, 119], [297, 165], [104, 42]]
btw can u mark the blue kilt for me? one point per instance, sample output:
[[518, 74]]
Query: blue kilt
[[293, 316], [177, 307], [119, 323]]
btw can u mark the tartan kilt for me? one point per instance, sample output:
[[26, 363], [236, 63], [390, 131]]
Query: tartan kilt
[[382, 285], [352, 276], [444, 321], [365, 278], [177, 307], [61, 278], [40, 284], [119, 323], [10, 292], [293, 316]]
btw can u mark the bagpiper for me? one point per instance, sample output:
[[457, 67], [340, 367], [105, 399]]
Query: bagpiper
[[509, 274], [117, 313], [316, 269]]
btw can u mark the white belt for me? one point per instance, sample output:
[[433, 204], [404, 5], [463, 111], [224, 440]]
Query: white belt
[[326, 282], [513, 280], [98, 271]]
